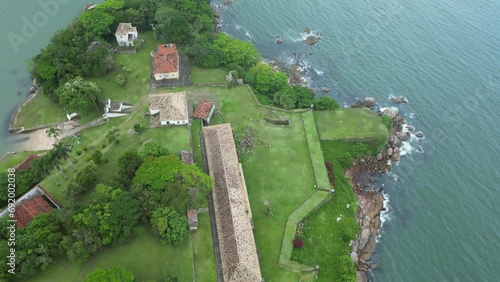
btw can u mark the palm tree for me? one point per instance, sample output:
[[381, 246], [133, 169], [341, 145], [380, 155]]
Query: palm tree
[[42, 166], [53, 132], [56, 162], [62, 151]]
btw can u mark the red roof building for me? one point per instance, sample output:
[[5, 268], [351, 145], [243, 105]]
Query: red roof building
[[25, 164], [166, 62], [204, 111], [28, 209]]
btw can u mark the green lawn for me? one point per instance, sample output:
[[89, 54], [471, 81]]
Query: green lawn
[[313, 142], [278, 169], [208, 76], [351, 125], [203, 250], [12, 160], [41, 110], [195, 136], [145, 256]]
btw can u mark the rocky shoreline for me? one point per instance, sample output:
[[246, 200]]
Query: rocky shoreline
[[363, 176]]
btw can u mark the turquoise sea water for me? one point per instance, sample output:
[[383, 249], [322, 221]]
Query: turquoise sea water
[[443, 56]]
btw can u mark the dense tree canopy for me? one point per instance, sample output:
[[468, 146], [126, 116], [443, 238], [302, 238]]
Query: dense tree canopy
[[265, 80], [79, 95], [325, 103], [169, 225], [172, 26], [166, 181]]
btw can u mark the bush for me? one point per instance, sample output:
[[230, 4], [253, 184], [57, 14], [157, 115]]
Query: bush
[[104, 144], [387, 121], [325, 103], [124, 68], [298, 243], [120, 79], [78, 152], [85, 148], [346, 160], [96, 156], [138, 128]]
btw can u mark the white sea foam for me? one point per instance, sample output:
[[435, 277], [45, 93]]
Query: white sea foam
[[386, 214], [389, 108], [319, 72], [247, 34], [420, 150], [406, 148], [238, 27]]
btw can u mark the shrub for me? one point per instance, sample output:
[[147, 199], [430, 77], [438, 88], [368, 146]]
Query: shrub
[[96, 156], [104, 144], [324, 103], [124, 68], [78, 152], [298, 243], [346, 160], [387, 121], [129, 70], [117, 141], [85, 148], [121, 80], [138, 128]]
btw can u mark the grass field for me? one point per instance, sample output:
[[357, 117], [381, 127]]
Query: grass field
[[11, 160], [314, 145], [351, 125], [208, 76], [145, 256], [40, 110], [203, 250], [278, 169]]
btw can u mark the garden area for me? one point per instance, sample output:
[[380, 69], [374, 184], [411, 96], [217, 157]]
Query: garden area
[[200, 75]]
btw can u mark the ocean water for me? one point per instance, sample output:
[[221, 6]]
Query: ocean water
[[442, 222], [25, 28]]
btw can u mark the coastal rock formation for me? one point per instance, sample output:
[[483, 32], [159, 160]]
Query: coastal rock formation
[[398, 100], [370, 198], [390, 113], [326, 89], [312, 39], [307, 30], [419, 134], [367, 102], [278, 40]]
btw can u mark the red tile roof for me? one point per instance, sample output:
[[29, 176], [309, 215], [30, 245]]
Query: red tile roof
[[28, 209], [166, 59], [25, 164], [203, 109]]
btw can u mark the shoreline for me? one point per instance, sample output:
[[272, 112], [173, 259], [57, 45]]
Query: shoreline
[[370, 196]]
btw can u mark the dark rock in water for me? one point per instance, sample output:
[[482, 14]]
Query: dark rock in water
[[307, 30], [312, 39], [217, 14], [368, 102], [326, 89], [420, 134], [32, 89], [373, 266], [410, 128], [278, 40], [398, 100]]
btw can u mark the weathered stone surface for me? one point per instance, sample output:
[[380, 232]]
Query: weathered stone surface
[[419, 134], [389, 151], [32, 89], [379, 157], [368, 102], [390, 113], [326, 89], [361, 276], [312, 39], [398, 100], [278, 40], [373, 266]]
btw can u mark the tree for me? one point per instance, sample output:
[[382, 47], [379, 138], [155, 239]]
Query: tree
[[265, 80], [138, 128], [96, 157], [121, 80], [87, 178], [114, 274], [304, 95], [128, 163], [172, 25], [78, 95], [97, 23], [169, 225], [324, 103], [285, 99], [56, 162], [229, 50], [62, 152], [53, 132], [166, 181], [152, 149], [97, 60]]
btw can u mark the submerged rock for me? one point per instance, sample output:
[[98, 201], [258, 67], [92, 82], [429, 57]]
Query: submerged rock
[[307, 30], [419, 134], [278, 40], [398, 100], [312, 39]]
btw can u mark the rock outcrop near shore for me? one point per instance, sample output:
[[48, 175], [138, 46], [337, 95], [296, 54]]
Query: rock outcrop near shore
[[369, 194]]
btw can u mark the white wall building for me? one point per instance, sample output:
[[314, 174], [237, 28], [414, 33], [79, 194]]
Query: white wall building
[[125, 34]]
